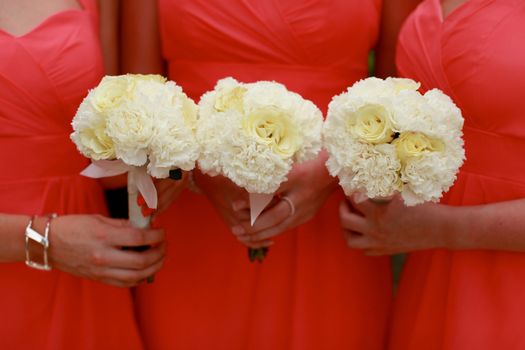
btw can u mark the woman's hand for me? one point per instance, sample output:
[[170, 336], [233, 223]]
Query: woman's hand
[[167, 191], [391, 227], [91, 246], [225, 197], [298, 200]]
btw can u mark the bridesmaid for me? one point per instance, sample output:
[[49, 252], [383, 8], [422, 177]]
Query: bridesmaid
[[468, 295], [50, 57], [311, 292]]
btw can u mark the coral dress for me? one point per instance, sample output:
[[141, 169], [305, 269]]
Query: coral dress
[[311, 292], [44, 75], [470, 299]]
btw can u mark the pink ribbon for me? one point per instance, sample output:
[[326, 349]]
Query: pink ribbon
[[137, 176]]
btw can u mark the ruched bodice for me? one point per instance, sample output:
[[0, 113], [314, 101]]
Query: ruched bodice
[[41, 88], [44, 75], [316, 48], [475, 55], [311, 292], [470, 299]]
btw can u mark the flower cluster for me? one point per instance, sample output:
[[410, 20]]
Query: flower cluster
[[139, 119], [253, 133], [384, 137]]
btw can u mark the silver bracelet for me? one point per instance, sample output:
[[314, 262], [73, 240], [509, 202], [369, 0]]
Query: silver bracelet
[[32, 234]]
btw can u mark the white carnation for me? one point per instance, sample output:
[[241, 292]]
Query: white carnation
[[131, 127], [447, 115], [174, 145], [426, 177], [374, 171]]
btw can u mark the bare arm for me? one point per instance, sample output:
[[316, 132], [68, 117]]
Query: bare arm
[[499, 226], [394, 13], [109, 39], [88, 246], [12, 246], [393, 228], [109, 34], [140, 44]]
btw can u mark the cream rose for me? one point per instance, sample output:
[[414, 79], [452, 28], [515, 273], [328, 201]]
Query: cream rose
[[372, 124], [400, 84], [189, 110], [413, 144], [273, 127], [110, 93], [90, 134], [230, 98], [113, 90], [146, 77], [97, 145]]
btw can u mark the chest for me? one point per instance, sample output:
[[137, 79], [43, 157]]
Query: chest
[[311, 31]]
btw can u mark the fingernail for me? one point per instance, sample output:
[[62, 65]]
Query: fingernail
[[238, 230], [147, 211], [140, 200], [238, 205]]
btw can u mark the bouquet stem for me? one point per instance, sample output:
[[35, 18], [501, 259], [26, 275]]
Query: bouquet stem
[[258, 201], [135, 213], [257, 254]]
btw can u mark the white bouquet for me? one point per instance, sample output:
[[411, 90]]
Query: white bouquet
[[139, 124], [254, 133], [384, 137]]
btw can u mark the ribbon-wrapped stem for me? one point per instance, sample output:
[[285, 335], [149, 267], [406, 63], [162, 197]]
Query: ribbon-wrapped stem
[[258, 201], [136, 179], [135, 213]]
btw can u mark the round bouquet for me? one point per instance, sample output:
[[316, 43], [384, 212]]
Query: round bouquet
[[384, 137], [139, 124], [254, 133]]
